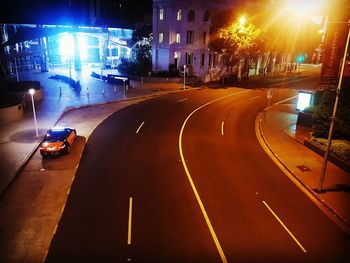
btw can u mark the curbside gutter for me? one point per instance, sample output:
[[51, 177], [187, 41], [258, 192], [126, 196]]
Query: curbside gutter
[[336, 217]]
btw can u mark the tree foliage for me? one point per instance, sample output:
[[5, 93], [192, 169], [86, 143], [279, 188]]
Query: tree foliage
[[140, 62], [323, 113]]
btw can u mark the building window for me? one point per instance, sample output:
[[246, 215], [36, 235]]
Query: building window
[[161, 13], [178, 38], [205, 37], [179, 15], [189, 58], [210, 61], [215, 59], [206, 16], [161, 38], [157, 55], [190, 37], [191, 16], [202, 60]]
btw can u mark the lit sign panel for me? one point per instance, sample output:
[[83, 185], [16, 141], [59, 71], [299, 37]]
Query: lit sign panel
[[304, 100]]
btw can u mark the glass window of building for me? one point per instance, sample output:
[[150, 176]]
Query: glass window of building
[[161, 38], [189, 58], [179, 15], [202, 60], [178, 38], [191, 16], [215, 59], [205, 37], [161, 13], [206, 16], [190, 37]]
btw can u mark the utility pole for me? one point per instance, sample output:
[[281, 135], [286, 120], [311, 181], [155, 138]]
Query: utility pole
[[329, 140]]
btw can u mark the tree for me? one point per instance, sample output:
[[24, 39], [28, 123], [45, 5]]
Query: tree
[[323, 112], [237, 40], [140, 62]]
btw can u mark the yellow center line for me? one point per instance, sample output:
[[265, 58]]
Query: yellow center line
[[194, 189], [284, 226], [129, 221]]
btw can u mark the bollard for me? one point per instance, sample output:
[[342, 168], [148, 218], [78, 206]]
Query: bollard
[[60, 91]]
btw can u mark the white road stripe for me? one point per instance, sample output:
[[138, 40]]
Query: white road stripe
[[287, 82], [222, 127], [280, 102], [254, 98], [194, 189], [130, 221], [284, 226], [140, 127], [182, 100]]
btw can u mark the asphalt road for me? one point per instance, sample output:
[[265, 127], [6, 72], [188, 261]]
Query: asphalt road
[[182, 178]]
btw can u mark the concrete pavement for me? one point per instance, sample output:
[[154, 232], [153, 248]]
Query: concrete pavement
[[31, 207], [283, 141]]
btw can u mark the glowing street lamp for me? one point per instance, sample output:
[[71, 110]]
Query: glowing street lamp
[[31, 92], [304, 8], [242, 20]]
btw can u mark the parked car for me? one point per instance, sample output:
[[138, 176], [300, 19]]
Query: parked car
[[58, 140]]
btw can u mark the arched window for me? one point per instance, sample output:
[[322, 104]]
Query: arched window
[[179, 15], [191, 16], [161, 13], [161, 38], [206, 16]]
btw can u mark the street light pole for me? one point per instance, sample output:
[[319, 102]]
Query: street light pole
[[185, 76], [124, 88], [329, 140], [16, 68], [31, 92]]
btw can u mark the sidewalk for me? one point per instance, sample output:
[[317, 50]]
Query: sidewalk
[[17, 138], [285, 142]]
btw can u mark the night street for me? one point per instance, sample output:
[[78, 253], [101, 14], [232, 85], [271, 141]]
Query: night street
[[175, 131], [131, 187]]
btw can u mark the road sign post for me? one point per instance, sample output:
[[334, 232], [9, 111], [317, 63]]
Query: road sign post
[[269, 96]]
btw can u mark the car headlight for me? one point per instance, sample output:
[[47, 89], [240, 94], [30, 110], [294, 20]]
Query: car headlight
[[62, 146]]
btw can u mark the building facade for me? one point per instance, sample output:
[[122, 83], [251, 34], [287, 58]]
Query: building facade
[[55, 46], [181, 37]]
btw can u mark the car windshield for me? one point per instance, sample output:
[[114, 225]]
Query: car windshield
[[56, 135]]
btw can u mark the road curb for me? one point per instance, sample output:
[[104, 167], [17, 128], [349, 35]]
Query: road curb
[[341, 222]]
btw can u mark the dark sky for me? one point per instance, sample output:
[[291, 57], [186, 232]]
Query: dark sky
[[115, 13]]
